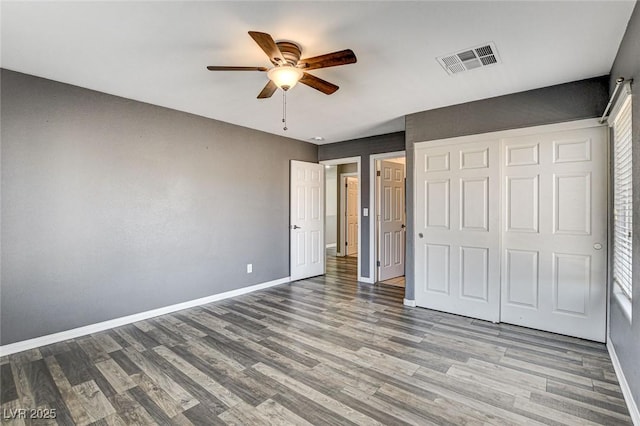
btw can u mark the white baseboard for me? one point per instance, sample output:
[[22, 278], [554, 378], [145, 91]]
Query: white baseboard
[[331, 245], [366, 280], [408, 302], [24, 345], [624, 385]]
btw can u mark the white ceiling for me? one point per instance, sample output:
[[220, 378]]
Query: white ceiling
[[157, 52]]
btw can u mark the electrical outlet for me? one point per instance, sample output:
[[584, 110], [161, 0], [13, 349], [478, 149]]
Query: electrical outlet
[[249, 268]]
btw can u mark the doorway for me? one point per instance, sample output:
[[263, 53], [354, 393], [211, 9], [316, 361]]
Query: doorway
[[343, 213], [389, 227]]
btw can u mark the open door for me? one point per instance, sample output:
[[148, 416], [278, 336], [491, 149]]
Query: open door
[[351, 216], [307, 220], [391, 221]]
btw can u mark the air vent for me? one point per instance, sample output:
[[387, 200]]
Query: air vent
[[468, 59]]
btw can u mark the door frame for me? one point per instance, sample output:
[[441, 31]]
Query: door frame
[[358, 161], [343, 211], [374, 199]]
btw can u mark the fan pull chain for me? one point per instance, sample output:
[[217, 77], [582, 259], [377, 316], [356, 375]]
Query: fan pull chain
[[284, 109]]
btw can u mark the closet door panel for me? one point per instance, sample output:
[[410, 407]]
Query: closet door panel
[[457, 235], [555, 201]]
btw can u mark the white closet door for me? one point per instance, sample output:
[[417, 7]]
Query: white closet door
[[554, 239], [456, 224]]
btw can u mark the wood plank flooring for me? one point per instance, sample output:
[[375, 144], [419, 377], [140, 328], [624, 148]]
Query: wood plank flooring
[[321, 351], [396, 282]]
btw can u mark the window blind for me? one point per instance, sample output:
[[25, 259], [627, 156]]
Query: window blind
[[622, 198]]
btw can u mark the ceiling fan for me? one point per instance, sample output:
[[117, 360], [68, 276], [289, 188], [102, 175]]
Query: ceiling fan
[[288, 69]]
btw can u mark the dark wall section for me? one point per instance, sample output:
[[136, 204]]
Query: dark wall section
[[625, 335], [112, 207], [364, 148], [555, 104]]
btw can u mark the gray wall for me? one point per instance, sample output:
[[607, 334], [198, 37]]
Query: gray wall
[[554, 104], [112, 207], [625, 336], [363, 148]]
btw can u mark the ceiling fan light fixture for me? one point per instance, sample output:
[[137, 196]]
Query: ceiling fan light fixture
[[285, 76]]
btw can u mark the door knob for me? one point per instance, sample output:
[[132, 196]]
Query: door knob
[[597, 246], [296, 227], [420, 235], [403, 226]]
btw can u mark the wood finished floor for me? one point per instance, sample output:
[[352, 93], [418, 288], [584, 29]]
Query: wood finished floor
[[396, 282], [321, 351]]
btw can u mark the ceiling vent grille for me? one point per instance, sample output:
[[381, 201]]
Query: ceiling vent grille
[[468, 59]]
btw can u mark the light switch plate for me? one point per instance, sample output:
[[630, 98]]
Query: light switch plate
[[365, 211]]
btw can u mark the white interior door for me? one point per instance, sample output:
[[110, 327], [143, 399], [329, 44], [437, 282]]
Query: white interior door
[[307, 220], [391, 219], [457, 263], [554, 237], [351, 220]]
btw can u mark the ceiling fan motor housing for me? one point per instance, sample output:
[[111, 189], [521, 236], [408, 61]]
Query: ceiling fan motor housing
[[290, 51]]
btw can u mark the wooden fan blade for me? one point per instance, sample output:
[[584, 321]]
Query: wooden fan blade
[[268, 90], [217, 68], [266, 43], [342, 57], [318, 84]]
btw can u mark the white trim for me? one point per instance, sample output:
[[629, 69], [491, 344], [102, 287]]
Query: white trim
[[24, 345], [373, 182], [332, 245], [409, 302], [340, 161], [547, 128], [624, 385], [358, 161]]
